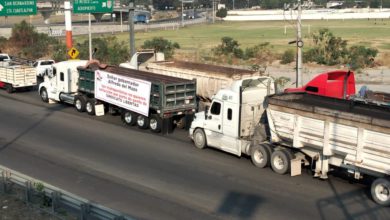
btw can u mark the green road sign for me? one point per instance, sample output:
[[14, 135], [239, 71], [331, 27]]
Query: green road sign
[[18, 8], [92, 6]]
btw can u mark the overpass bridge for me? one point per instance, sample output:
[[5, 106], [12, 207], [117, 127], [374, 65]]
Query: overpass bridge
[[48, 8]]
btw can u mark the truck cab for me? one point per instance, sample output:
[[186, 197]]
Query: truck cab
[[336, 84], [60, 81], [233, 116]]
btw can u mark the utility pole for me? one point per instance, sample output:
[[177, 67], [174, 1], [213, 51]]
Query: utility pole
[[131, 29], [233, 4], [90, 36], [299, 47], [213, 11], [182, 13]]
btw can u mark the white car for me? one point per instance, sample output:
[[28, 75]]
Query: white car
[[4, 59], [42, 65]]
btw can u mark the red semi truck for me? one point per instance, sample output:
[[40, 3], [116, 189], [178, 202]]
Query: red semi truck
[[336, 84]]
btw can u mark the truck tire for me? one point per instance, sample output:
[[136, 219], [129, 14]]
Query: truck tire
[[79, 103], [9, 88], [380, 191], [200, 139], [129, 118], [155, 123], [142, 122], [261, 155], [90, 106], [280, 162], [44, 95]]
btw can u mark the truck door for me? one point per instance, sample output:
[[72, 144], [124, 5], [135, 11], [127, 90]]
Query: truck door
[[230, 140], [213, 124]]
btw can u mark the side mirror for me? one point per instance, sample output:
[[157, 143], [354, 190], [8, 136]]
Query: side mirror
[[206, 111], [49, 73]]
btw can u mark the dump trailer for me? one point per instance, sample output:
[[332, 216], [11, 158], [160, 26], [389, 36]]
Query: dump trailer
[[325, 133], [141, 98], [13, 77], [210, 78]]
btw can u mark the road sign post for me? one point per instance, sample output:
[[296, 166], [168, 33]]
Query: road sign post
[[18, 7], [92, 6]]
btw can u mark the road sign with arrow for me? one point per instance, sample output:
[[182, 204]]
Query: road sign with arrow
[[73, 53], [18, 8]]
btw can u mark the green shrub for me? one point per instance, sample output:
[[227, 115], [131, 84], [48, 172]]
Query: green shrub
[[288, 56], [162, 45], [361, 57]]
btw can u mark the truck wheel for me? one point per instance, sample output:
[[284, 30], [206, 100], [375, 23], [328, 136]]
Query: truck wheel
[[79, 103], [280, 162], [200, 139], [142, 122], [380, 191], [260, 155], [44, 95], [155, 123], [9, 88], [90, 106], [129, 118]]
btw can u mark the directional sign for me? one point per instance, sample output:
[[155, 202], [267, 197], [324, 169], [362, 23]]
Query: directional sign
[[18, 8], [92, 6], [73, 53]]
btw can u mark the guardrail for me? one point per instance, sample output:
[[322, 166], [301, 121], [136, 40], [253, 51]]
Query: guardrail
[[36, 191]]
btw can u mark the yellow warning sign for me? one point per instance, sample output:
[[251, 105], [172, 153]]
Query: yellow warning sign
[[73, 53]]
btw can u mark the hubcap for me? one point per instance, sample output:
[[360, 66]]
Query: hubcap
[[258, 156], [153, 124], [278, 162], [89, 107], [128, 117], [78, 104], [199, 139], [382, 192], [44, 94], [141, 121]]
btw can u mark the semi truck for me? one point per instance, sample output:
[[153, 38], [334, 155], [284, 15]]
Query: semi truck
[[143, 99], [290, 130], [13, 77]]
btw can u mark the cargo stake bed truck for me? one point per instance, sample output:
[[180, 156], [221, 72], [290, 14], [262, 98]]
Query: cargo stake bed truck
[[14, 77], [148, 100]]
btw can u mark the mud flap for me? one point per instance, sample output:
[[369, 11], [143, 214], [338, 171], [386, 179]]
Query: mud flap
[[296, 168]]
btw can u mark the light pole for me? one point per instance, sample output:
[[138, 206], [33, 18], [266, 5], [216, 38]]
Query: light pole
[[131, 29]]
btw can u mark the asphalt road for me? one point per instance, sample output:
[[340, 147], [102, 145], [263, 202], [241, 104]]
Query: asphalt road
[[150, 176]]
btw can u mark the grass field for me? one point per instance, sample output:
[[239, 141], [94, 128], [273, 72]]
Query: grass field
[[372, 33]]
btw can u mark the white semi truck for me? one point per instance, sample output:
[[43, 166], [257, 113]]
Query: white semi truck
[[299, 129], [148, 100]]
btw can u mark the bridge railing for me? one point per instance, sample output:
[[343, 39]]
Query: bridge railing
[[56, 200]]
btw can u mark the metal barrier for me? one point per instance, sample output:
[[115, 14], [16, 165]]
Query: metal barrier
[[56, 198]]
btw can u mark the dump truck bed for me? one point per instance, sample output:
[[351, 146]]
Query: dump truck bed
[[168, 94], [210, 78], [349, 133]]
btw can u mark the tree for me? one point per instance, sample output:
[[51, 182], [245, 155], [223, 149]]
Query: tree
[[328, 49], [221, 13], [28, 42], [160, 44], [109, 50]]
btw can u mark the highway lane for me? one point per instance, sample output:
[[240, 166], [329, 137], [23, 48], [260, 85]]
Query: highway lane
[[161, 177]]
